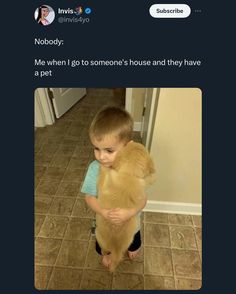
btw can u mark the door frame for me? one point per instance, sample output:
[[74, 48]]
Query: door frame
[[43, 110], [151, 120], [128, 99], [153, 109]]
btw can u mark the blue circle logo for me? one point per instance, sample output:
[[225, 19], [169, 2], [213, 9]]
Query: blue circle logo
[[87, 10]]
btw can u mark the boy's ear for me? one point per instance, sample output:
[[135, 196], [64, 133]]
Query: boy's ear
[[131, 141]]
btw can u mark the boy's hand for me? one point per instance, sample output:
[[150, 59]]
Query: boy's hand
[[119, 216], [105, 213]]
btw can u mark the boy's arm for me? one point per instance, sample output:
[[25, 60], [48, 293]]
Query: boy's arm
[[121, 215], [92, 202]]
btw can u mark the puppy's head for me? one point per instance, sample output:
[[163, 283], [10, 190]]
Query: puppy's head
[[134, 160]]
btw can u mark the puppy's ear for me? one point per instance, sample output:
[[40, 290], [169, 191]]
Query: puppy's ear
[[144, 166], [150, 177], [139, 171], [151, 168]]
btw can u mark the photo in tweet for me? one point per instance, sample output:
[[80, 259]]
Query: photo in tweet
[[78, 134]]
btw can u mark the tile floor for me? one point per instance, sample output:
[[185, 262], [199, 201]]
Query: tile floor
[[65, 257]]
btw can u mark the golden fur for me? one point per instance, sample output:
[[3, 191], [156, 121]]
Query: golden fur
[[122, 186]]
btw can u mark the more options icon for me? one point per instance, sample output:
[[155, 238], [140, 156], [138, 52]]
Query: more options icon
[[169, 10]]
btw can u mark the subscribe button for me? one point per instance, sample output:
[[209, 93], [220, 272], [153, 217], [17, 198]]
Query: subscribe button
[[170, 10]]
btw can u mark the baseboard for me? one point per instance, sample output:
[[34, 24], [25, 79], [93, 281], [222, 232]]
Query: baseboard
[[137, 126], [173, 207]]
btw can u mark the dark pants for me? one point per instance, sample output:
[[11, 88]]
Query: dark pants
[[134, 245]]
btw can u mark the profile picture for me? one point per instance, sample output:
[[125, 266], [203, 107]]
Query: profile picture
[[44, 15]]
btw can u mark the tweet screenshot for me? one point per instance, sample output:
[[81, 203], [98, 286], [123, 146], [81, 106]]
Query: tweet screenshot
[[119, 90]]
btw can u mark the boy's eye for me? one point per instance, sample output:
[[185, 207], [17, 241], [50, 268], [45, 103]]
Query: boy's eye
[[110, 151]]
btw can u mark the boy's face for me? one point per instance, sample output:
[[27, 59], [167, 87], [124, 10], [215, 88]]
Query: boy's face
[[105, 151]]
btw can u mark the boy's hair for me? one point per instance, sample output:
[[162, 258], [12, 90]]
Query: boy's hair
[[112, 120]]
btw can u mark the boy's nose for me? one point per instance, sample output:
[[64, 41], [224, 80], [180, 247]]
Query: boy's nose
[[102, 155]]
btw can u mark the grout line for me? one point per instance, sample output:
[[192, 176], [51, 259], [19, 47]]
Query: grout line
[[63, 215], [56, 196], [54, 265], [82, 278], [48, 282], [172, 260], [62, 239], [169, 247], [35, 236], [84, 267], [144, 256], [195, 237], [170, 224]]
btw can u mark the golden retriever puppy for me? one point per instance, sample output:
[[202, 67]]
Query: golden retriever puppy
[[122, 186]]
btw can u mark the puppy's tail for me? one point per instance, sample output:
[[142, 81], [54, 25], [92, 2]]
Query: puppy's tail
[[116, 257]]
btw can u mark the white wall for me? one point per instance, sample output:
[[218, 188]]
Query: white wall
[[176, 148]]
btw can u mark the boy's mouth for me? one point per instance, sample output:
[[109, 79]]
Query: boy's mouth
[[106, 163]]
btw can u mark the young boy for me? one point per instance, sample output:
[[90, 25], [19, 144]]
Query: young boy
[[110, 130]]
